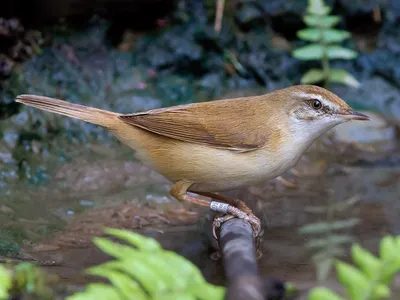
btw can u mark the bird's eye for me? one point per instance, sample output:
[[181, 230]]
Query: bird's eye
[[316, 104]]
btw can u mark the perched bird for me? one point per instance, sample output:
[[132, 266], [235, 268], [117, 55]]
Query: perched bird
[[220, 145]]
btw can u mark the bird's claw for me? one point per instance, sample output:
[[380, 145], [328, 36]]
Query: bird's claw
[[218, 221], [231, 212]]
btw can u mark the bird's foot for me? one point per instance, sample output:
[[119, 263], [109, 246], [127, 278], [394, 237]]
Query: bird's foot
[[230, 212]]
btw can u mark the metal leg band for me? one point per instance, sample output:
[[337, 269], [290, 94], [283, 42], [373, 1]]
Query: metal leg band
[[219, 207]]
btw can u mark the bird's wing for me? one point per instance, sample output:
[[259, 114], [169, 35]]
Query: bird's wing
[[235, 124]]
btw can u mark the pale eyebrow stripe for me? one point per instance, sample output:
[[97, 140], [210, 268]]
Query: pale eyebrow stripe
[[319, 97], [310, 96]]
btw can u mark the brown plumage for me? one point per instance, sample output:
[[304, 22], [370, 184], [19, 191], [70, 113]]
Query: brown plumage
[[206, 124], [219, 145]]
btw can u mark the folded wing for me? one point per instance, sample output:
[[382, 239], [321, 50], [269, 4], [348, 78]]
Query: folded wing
[[234, 125]]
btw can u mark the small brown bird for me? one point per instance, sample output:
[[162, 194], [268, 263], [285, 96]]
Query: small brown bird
[[216, 146]]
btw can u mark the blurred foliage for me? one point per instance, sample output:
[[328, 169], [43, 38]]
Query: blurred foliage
[[25, 279], [323, 38], [141, 269], [371, 279], [326, 238]]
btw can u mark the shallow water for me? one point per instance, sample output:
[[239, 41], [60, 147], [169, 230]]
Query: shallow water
[[54, 223]]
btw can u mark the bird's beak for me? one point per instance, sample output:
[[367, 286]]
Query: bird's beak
[[353, 115]]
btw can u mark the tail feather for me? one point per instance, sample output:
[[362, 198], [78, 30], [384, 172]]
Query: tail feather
[[89, 114]]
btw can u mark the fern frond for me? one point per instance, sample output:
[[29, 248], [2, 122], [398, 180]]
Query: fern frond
[[143, 270]]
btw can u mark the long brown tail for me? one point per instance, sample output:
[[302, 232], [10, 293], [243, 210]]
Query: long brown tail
[[89, 114]]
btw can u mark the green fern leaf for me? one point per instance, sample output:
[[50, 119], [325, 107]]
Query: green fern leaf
[[389, 252], [309, 52], [5, 282], [357, 284], [327, 35], [97, 291], [318, 7], [368, 263], [321, 21], [313, 76], [321, 293], [147, 272], [134, 239], [339, 52], [123, 283]]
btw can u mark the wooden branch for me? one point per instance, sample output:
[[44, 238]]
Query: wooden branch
[[239, 257]]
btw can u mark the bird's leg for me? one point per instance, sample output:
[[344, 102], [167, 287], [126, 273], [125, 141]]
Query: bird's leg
[[179, 191], [227, 206], [234, 202], [236, 208]]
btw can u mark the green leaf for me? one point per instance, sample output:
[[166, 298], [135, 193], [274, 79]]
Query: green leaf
[[338, 52], [381, 291], [368, 263], [123, 283], [390, 254], [318, 7], [174, 296], [323, 227], [137, 240], [335, 35], [114, 249], [184, 267], [150, 279], [97, 291], [352, 279], [327, 35], [321, 21], [320, 293], [312, 76], [5, 282], [342, 76], [357, 284], [309, 52], [310, 34], [206, 292], [147, 271], [388, 248]]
